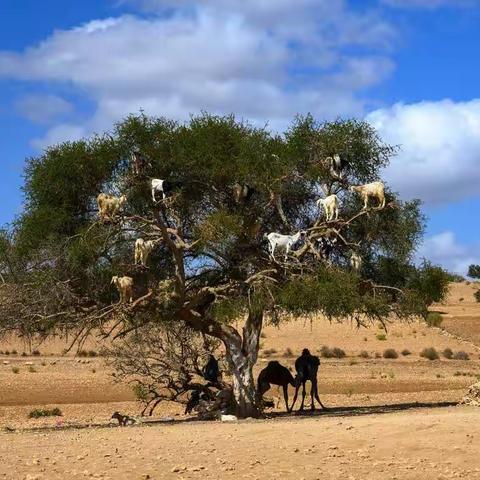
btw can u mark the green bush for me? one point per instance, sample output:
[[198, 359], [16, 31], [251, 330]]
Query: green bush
[[390, 353], [15, 370], [405, 352], [429, 353], [461, 356], [45, 412], [447, 353], [434, 319], [381, 336]]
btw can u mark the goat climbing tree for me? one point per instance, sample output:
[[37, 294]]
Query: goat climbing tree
[[210, 267]]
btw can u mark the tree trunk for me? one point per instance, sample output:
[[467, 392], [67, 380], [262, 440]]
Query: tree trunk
[[243, 384], [241, 357]]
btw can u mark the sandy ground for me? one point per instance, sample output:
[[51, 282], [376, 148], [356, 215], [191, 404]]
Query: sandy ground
[[374, 427], [411, 444]]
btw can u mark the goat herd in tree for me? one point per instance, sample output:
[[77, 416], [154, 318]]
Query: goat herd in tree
[[274, 373]]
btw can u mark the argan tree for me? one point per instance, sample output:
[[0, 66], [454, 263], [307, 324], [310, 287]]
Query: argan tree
[[231, 184]]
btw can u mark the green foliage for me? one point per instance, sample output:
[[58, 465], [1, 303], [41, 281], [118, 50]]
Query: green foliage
[[430, 283], [474, 271], [45, 412], [381, 336], [434, 319], [65, 257]]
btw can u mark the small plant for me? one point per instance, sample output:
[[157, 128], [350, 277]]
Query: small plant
[[94, 371], [44, 363], [92, 353], [390, 353], [461, 299], [14, 352], [36, 353], [381, 336], [378, 355], [45, 412], [15, 370], [32, 369], [326, 352], [434, 319], [364, 354], [269, 351], [82, 353], [447, 353], [429, 353], [263, 335], [338, 353], [405, 352], [288, 353], [7, 352], [477, 295], [365, 339], [24, 354], [353, 362], [461, 356]]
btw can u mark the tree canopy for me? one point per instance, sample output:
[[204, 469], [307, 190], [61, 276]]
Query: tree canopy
[[210, 264]]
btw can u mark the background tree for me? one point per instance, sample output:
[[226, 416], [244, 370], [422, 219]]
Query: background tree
[[474, 271], [210, 265]]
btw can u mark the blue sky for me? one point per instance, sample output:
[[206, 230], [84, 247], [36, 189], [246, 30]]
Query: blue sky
[[411, 67]]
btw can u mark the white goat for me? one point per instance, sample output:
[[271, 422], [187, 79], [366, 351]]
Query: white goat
[[125, 288], [108, 205], [374, 189], [282, 241], [330, 204], [157, 186], [142, 250], [356, 261]]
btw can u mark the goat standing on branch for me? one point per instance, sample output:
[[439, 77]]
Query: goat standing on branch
[[125, 288], [142, 250], [286, 242], [331, 206], [108, 205], [374, 189]]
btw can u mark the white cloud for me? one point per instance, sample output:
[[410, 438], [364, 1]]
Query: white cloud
[[42, 109], [444, 249], [431, 3], [254, 59], [439, 160]]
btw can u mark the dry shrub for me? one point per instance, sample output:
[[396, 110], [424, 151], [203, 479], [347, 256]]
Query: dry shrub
[[327, 352], [405, 352], [269, 351], [461, 356], [429, 353], [364, 354], [288, 353], [390, 353], [45, 412], [447, 353]]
